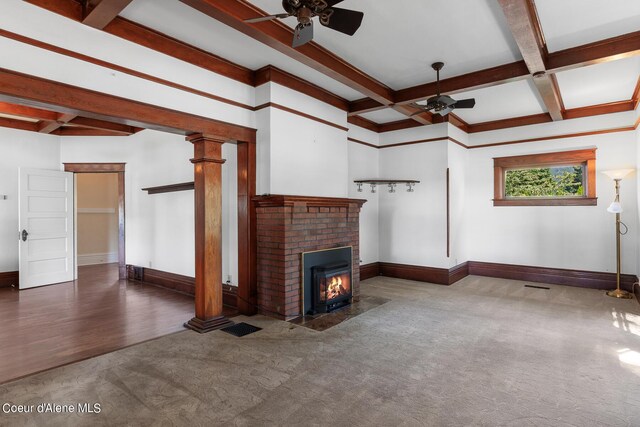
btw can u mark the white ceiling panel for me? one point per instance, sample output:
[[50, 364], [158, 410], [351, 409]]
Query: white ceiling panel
[[570, 23], [399, 39], [501, 102], [384, 116], [180, 21], [600, 83]]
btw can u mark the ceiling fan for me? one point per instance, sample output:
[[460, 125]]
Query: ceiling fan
[[343, 20], [442, 104]]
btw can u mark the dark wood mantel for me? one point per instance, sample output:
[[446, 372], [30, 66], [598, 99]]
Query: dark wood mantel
[[289, 200]]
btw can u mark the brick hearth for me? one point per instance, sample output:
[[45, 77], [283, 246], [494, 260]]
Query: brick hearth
[[287, 226]]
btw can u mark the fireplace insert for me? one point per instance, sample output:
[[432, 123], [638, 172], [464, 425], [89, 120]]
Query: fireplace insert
[[331, 286]]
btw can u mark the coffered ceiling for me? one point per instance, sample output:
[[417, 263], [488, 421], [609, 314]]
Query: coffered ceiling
[[585, 50], [399, 40]]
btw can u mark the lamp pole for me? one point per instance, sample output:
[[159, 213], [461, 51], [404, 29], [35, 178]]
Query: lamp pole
[[618, 293]]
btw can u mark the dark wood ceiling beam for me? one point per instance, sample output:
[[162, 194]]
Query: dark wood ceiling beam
[[612, 49], [458, 122], [424, 118], [77, 131], [596, 110], [550, 94], [104, 12], [533, 119], [18, 124], [574, 113], [115, 128], [163, 43], [35, 91], [278, 36], [615, 48], [28, 112], [364, 105], [488, 77], [398, 125], [364, 123], [276, 75], [636, 95], [50, 126], [155, 40], [524, 24]]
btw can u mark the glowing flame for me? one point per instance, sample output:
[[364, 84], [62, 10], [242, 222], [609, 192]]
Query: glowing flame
[[336, 288]]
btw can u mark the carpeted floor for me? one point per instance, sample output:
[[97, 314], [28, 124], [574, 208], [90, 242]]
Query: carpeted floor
[[481, 352]]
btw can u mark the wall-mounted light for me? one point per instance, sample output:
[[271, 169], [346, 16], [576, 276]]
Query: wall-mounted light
[[390, 183]]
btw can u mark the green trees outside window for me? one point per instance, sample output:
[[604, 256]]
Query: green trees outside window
[[556, 181]]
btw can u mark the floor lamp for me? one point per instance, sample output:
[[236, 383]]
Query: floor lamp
[[616, 208]]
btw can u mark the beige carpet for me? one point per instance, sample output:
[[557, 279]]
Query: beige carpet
[[481, 352]]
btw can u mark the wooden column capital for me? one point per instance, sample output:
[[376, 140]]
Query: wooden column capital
[[208, 162], [206, 149], [199, 137]]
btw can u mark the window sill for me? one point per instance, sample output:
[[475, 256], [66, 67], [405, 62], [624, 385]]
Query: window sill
[[582, 201]]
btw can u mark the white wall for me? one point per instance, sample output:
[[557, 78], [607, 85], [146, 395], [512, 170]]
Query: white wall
[[572, 237], [458, 163], [305, 157], [364, 164], [160, 228], [413, 225], [19, 149]]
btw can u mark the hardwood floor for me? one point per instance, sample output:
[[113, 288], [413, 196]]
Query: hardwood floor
[[59, 324]]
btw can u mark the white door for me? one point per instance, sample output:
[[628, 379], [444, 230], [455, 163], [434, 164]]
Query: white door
[[46, 227]]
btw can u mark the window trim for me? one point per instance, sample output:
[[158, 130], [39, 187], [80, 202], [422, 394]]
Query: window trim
[[586, 157]]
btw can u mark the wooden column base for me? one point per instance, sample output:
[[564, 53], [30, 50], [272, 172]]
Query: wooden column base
[[204, 326]]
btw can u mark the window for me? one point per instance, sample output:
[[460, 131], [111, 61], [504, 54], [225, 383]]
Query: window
[[565, 178]]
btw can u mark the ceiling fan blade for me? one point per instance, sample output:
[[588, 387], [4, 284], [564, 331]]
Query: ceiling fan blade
[[343, 20], [303, 34], [332, 3], [445, 111], [266, 18], [465, 103]]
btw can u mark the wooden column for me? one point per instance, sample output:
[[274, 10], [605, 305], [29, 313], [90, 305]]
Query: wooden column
[[247, 280], [207, 161]]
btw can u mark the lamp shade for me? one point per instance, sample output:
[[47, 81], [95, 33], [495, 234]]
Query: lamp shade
[[615, 207], [617, 173]]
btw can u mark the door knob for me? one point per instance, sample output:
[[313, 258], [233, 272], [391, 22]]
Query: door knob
[[24, 235]]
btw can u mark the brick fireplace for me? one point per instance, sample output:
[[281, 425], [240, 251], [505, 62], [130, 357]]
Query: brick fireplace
[[287, 227]]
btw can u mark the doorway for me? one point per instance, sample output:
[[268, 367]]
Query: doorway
[[100, 214], [96, 218]]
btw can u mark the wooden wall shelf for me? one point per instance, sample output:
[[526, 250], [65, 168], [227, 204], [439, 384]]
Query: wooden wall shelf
[[170, 188]]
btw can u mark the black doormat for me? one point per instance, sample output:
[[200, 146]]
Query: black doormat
[[241, 329]]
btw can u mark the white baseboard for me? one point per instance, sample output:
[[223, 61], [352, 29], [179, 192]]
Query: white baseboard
[[93, 259]]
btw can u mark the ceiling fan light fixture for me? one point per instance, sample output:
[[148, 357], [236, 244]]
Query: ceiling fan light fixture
[[442, 104], [342, 20]]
